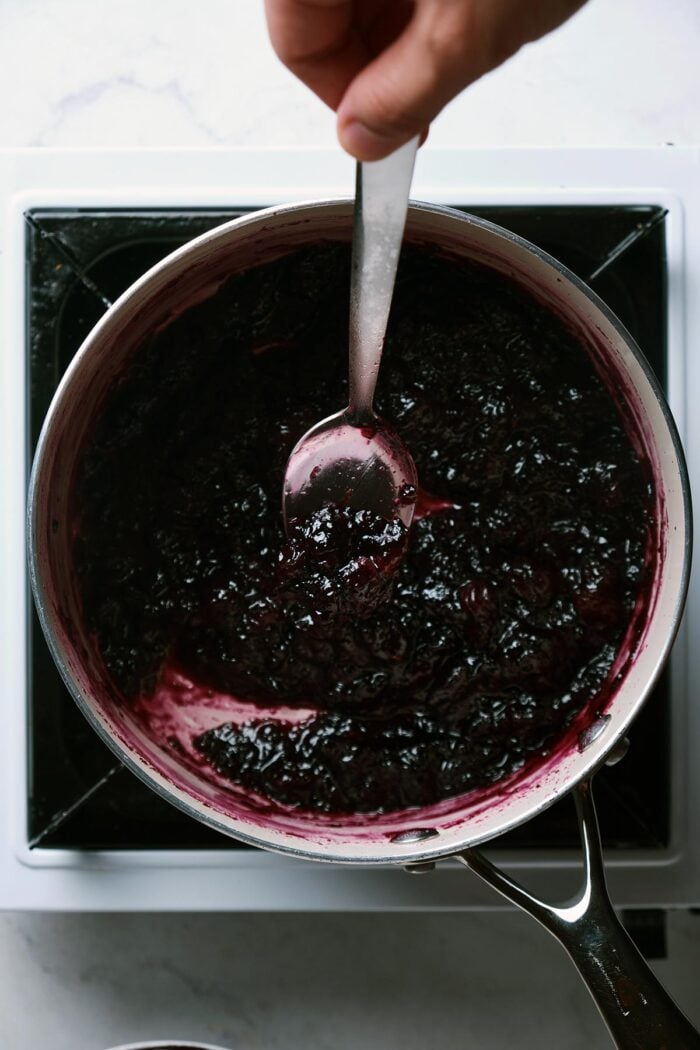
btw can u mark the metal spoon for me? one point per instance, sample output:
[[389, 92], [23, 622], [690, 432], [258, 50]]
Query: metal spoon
[[353, 457]]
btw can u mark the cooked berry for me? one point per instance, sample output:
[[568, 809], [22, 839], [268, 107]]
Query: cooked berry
[[435, 661]]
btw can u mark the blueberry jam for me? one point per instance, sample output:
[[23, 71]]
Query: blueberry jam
[[381, 668]]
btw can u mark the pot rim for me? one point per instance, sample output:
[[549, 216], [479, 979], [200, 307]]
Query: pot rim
[[167, 1044], [137, 764]]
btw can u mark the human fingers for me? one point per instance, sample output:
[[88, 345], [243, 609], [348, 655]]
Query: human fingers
[[446, 45], [319, 41]]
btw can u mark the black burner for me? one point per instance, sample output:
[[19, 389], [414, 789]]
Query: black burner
[[81, 260]]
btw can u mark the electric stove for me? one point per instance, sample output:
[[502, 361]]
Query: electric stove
[[79, 830]]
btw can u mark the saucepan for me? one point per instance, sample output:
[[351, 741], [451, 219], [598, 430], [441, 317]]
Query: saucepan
[[636, 1009]]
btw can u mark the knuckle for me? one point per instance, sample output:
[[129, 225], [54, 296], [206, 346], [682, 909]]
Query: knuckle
[[460, 35], [308, 31], [448, 38], [386, 109]]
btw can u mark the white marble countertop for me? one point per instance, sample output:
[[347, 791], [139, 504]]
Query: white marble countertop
[[171, 73]]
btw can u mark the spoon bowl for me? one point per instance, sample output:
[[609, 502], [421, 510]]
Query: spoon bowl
[[364, 467], [354, 458]]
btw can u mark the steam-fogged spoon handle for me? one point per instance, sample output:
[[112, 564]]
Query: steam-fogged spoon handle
[[381, 202]]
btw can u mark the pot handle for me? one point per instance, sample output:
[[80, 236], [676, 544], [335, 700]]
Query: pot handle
[[639, 1014]]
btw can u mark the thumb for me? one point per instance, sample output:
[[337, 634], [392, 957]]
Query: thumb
[[398, 94]]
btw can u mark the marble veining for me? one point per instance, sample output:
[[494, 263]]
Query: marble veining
[[305, 982], [165, 74]]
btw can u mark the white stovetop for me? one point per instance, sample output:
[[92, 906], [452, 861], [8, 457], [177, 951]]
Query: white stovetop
[[173, 73]]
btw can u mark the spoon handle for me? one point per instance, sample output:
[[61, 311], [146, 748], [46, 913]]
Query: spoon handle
[[381, 202]]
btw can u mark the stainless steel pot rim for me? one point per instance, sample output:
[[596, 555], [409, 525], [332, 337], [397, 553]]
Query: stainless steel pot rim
[[432, 850], [167, 1044]]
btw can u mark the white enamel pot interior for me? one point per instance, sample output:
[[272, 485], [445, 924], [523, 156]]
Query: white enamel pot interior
[[193, 273]]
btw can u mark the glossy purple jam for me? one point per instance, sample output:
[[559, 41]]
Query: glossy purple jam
[[422, 664]]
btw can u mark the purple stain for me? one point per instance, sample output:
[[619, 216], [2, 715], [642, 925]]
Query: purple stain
[[388, 669]]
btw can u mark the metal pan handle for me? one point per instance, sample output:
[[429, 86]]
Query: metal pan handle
[[639, 1013]]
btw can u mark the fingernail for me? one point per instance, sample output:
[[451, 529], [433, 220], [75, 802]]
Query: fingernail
[[364, 143]]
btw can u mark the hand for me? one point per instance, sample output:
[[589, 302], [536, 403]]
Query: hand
[[389, 66]]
